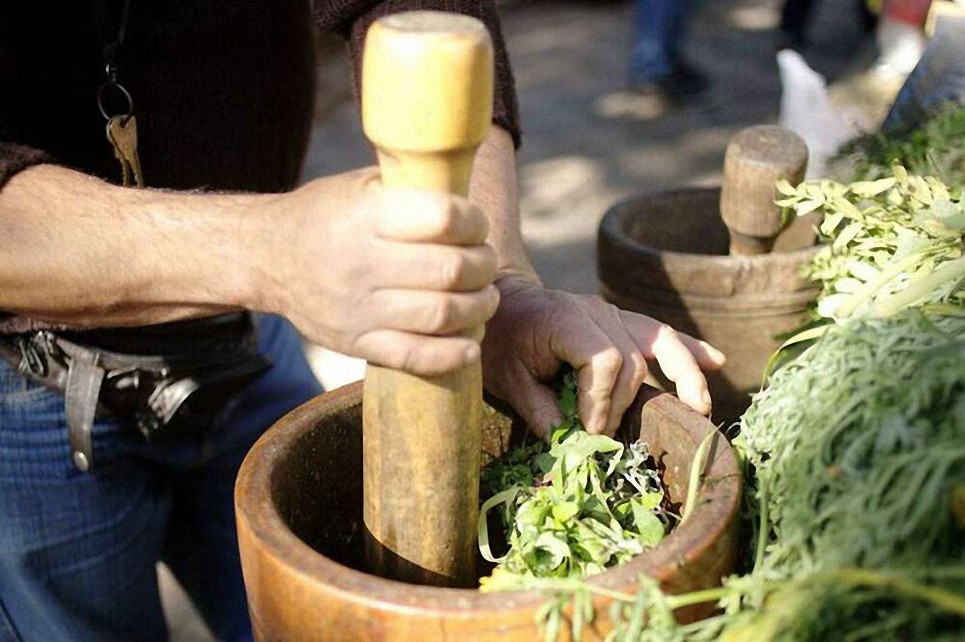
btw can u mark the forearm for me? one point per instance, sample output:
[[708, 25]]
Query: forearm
[[494, 189], [79, 251], [391, 276]]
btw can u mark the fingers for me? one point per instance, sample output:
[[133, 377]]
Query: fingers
[[418, 216], [421, 355], [633, 367], [535, 403], [536, 329], [436, 267], [432, 282], [430, 241], [431, 313], [609, 365], [677, 355], [708, 357]]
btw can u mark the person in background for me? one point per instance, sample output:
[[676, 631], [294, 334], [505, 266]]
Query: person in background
[[151, 334], [658, 66], [900, 36], [898, 27], [798, 15]]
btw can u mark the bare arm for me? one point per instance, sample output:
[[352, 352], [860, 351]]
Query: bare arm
[[79, 251], [371, 272], [494, 189]]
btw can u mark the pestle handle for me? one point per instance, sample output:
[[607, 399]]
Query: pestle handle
[[756, 158], [427, 87]]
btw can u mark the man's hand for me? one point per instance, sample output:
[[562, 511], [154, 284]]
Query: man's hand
[[536, 330], [393, 276]]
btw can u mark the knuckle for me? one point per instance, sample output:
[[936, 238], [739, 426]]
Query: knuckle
[[666, 333], [405, 356], [439, 317], [640, 370], [406, 359], [447, 217], [608, 365], [453, 268], [611, 360], [388, 350]]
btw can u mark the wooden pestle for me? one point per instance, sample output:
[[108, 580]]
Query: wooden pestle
[[754, 161], [427, 87]]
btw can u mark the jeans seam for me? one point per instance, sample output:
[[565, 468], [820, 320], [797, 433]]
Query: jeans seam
[[6, 625]]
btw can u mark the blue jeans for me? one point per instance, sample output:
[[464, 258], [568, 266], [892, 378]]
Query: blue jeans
[[78, 551], [660, 31]]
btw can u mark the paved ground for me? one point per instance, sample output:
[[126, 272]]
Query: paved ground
[[587, 143]]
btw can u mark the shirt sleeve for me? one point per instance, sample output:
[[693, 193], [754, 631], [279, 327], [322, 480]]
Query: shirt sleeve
[[352, 18], [16, 158]]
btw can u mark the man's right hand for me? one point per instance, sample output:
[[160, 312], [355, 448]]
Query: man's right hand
[[393, 276]]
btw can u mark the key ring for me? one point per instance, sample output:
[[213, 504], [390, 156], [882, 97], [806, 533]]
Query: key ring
[[101, 93]]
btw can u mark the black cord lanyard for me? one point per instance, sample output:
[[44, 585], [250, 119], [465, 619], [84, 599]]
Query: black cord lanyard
[[121, 129], [111, 42]]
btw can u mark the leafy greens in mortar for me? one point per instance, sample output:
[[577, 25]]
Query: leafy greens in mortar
[[574, 507]]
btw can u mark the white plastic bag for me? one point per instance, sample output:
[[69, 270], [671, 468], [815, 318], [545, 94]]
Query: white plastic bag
[[806, 110]]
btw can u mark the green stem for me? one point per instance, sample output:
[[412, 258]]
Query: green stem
[[696, 475], [696, 597], [945, 600], [762, 530], [616, 595]]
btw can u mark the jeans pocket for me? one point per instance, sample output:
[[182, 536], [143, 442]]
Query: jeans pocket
[[17, 391]]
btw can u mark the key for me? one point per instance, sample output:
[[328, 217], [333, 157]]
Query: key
[[122, 135], [125, 167]]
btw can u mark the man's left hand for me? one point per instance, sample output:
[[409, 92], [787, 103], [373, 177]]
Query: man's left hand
[[536, 330]]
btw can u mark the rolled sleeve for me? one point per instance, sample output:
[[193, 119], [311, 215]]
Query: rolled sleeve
[[15, 157]]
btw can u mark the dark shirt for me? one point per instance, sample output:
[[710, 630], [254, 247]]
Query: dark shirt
[[222, 89]]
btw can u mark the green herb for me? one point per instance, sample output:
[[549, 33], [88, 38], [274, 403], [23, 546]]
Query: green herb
[[891, 243], [585, 503], [857, 447], [935, 149]]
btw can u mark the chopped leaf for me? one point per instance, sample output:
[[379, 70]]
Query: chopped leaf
[[593, 502]]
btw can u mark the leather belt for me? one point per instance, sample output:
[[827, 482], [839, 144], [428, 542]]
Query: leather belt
[[155, 386]]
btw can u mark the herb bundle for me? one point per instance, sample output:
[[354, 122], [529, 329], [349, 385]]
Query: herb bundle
[[858, 459], [935, 149], [889, 244], [573, 508]]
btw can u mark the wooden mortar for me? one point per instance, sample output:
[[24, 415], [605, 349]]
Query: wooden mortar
[[301, 534]]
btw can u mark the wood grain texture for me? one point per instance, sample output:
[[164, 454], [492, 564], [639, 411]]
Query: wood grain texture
[[427, 86], [299, 505], [756, 158]]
